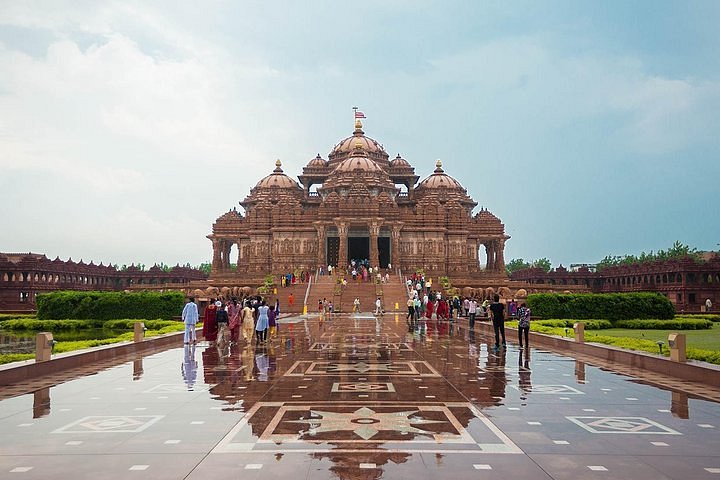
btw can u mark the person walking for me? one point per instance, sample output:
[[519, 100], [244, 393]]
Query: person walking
[[524, 325], [498, 319], [378, 306], [263, 323], [248, 322], [233, 309], [472, 311], [221, 317], [190, 318], [210, 330], [356, 305]]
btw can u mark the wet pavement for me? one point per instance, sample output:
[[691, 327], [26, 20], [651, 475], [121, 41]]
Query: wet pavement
[[359, 398]]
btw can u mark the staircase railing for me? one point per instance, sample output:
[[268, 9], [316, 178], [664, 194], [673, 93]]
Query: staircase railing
[[307, 293]]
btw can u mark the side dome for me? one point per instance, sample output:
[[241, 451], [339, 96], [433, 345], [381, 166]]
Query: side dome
[[440, 180], [277, 179], [443, 187], [316, 163], [399, 162]]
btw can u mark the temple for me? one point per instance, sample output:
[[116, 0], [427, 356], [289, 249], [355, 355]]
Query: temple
[[359, 204]]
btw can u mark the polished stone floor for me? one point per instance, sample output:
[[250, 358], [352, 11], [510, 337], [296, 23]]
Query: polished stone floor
[[355, 397]]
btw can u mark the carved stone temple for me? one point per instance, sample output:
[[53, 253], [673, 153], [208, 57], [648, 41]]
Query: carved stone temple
[[359, 204]]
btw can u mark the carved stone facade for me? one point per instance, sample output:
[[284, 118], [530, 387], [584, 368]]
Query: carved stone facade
[[359, 204]]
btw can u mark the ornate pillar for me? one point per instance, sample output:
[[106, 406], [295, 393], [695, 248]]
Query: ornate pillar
[[490, 256], [217, 261], [374, 229], [500, 262], [395, 246], [322, 244], [343, 253]]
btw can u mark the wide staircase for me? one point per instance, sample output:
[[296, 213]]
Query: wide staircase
[[326, 286]]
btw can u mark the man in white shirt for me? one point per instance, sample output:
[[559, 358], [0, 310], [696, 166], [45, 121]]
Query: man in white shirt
[[472, 310], [190, 318], [378, 306]]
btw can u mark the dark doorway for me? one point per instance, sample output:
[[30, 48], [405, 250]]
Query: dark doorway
[[333, 251], [358, 248], [384, 251]]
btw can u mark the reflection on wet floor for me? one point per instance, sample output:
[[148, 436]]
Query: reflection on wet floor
[[356, 397]]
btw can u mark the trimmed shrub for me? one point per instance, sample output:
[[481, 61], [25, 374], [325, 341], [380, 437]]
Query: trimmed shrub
[[703, 316], [109, 305], [677, 324], [606, 306]]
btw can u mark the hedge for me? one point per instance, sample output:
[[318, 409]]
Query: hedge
[[677, 324], [607, 306], [74, 324], [109, 305]]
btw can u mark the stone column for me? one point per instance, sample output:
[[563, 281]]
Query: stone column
[[374, 230], [395, 247], [500, 262], [322, 244], [490, 256], [217, 261], [343, 253]]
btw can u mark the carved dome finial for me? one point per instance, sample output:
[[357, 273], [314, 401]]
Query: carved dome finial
[[278, 164], [438, 166], [358, 125]]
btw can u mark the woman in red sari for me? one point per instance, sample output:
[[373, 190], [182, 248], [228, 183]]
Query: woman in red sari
[[429, 308], [210, 327]]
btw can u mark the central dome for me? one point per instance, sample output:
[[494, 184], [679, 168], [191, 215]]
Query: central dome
[[348, 145]]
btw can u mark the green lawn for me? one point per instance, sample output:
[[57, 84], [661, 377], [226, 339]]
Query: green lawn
[[704, 339]]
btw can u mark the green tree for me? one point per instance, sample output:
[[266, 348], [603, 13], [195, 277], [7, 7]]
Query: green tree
[[205, 267], [543, 263], [516, 264]]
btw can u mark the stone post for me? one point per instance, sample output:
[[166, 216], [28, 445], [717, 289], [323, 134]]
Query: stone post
[[579, 332], [676, 342], [139, 332], [43, 346]]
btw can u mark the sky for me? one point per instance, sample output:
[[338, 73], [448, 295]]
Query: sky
[[589, 128]]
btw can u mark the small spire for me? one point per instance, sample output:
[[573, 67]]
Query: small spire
[[358, 127], [438, 166], [278, 164]]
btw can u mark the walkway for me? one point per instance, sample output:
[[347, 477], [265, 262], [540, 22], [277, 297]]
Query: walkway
[[355, 397]]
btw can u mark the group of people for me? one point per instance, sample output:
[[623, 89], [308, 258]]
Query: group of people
[[291, 279], [432, 306], [222, 322]]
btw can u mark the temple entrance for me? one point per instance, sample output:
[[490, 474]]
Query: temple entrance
[[333, 251], [383, 251], [358, 248]]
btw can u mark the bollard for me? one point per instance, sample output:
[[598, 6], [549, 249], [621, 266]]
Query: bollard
[[397, 306], [305, 309], [579, 332], [43, 346], [676, 342], [139, 332]]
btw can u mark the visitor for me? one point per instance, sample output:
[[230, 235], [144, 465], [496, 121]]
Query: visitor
[[291, 301], [442, 309], [472, 311], [708, 305], [330, 308], [356, 305], [221, 317], [262, 325], [498, 319], [378, 306], [321, 307], [233, 310], [190, 319], [410, 318], [523, 325], [272, 321], [512, 308], [210, 322], [466, 306], [248, 323]]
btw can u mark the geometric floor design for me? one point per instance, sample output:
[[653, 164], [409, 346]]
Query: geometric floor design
[[357, 397]]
